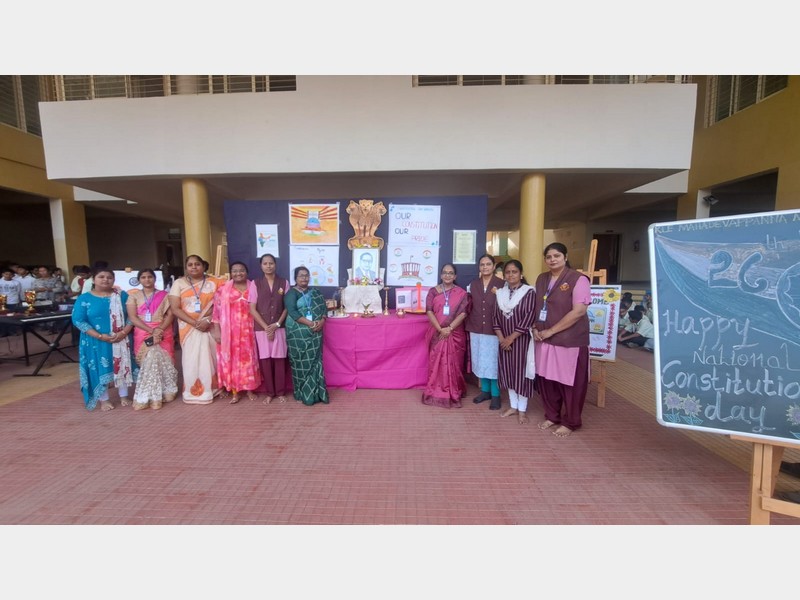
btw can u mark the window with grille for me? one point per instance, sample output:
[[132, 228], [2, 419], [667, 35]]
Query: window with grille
[[19, 102], [728, 94]]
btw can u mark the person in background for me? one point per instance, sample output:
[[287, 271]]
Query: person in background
[[12, 290], [49, 288], [191, 300], [237, 360], [80, 274], [149, 311], [105, 356], [642, 330], [25, 278], [483, 342], [513, 317], [305, 320], [447, 306], [624, 321], [561, 332], [269, 316]]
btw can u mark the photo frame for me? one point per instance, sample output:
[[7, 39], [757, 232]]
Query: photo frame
[[406, 298], [366, 263]]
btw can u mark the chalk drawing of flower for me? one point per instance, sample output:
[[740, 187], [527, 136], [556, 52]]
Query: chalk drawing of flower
[[672, 402], [691, 406], [793, 416]]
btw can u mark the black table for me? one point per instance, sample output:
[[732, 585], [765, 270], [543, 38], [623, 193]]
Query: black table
[[28, 323]]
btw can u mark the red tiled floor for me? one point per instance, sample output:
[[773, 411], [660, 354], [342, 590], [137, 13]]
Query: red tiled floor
[[370, 457]]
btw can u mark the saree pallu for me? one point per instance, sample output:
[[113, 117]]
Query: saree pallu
[[158, 310], [446, 385], [198, 348], [237, 360], [305, 347]]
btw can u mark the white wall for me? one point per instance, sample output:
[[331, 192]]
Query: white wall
[[373, 124]]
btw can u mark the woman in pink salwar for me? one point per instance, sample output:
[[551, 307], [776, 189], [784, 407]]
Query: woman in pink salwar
[[447, 305], [237, 360], [561, 332]]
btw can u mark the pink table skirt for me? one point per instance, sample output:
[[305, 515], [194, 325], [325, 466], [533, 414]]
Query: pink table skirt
[[383, 352]]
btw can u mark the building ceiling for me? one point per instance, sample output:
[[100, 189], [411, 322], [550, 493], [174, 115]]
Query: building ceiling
[[570, 197]]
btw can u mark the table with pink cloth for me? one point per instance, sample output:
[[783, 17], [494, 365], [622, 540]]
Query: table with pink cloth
[[380, 352]]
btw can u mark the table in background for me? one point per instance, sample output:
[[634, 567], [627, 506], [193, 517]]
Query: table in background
[[28, 324], [381, 352]]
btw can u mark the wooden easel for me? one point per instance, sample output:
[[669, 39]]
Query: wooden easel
[[222, 255], [598, 375], [763, 476]]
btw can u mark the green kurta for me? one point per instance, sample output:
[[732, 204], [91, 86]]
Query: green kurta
[[305, 346]]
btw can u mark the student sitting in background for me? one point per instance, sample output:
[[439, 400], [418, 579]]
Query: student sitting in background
[[642, 330], [624, 321]]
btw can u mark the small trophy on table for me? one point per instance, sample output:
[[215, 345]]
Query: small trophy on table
[[30, 298], [3, 300]]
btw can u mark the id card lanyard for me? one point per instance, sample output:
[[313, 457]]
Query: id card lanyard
[[148, 314], [197, 307], [446, 311], [307, 303], [543, 312]]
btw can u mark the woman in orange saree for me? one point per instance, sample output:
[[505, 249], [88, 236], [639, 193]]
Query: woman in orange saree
[[191, 300]]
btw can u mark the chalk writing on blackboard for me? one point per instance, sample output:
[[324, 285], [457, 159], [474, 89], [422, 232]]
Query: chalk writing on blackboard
[[726, 300]]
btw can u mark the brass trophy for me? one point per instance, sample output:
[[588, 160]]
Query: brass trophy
[[367, 312], [3, 300], [30, 298]]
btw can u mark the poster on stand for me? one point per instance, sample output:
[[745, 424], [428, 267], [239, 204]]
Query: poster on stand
[[603, 315], [322, 263]]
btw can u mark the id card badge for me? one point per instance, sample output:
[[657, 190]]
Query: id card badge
[[543, 315], [197, 308], [148, 317], [308, 316], [446, 310]]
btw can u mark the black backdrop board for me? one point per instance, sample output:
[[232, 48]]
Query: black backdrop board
[[457, 212], [726, 303]]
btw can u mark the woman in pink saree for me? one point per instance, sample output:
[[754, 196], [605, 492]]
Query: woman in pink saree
[[446, 305], [149, 311], [237, 359]]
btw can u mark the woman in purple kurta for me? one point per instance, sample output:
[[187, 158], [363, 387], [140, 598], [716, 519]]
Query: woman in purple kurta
[[270, 334], [561, 333], [447, 306], [513, 317]]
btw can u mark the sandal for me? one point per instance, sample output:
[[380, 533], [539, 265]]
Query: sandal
[[267, 400], [235, 399], [546, 424]]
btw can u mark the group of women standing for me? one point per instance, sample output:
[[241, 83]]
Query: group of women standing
[[235, 337], [522, 339]]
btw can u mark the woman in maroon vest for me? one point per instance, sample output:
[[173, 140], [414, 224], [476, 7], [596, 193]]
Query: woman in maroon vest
[[561, 331], [270, 333], [483, 342]]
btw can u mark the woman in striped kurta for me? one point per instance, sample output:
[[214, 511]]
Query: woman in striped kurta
[[513, 317]]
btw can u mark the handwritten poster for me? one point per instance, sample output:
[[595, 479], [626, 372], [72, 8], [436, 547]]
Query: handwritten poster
[[267, 240], [603, 315], [314, 224], [322, 263], [413, 248]]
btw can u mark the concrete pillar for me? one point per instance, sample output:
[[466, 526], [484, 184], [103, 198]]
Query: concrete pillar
[[531, 225], [196, 220], [68, 222]]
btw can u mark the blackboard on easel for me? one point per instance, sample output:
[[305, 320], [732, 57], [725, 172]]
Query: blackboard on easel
[[726, 303]]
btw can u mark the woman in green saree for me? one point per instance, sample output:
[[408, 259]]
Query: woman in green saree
[[304, 323]]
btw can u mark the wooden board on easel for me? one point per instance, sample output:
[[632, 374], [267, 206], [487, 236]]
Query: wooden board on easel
[[598, 375], [222, 257]]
